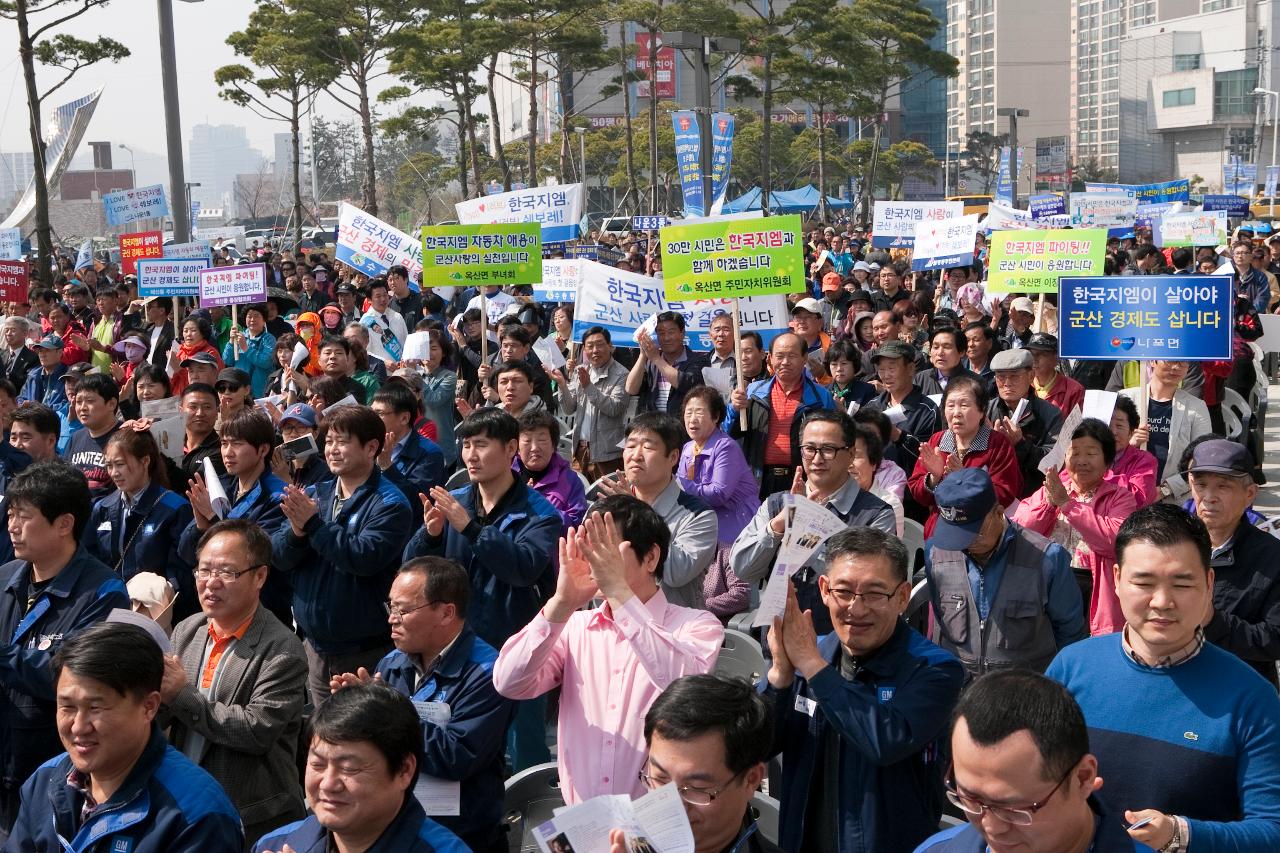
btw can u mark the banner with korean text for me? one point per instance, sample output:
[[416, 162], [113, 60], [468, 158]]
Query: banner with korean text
[[466, 255], [945, 243], [15, 281], [134, 247], [371, 246], [195, 250], [1175, 317], [10, 243], [560, 279], [622, 302], [1103, 210], [557, 209], [170, 277], [1192, 229], [894, 222], [125, 206], [1179, 190], [1033, 261], [239, 285], [751, 257]]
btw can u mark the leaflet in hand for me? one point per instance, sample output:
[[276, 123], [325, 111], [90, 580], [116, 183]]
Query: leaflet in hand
[[896, 415], [217, 494], [417, 347], [549, 354], [300, 355], [655, 823], [438, 797], [159, 409], [1099, 404], [345, 401], [1058, 455], [169, 434], [719, 378], [1019, 410], [809, 525]]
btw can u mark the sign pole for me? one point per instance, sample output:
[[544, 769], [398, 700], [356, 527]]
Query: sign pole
[[177, 312], [484, 327], [737, 346], [1142, 396], [1040, 313]]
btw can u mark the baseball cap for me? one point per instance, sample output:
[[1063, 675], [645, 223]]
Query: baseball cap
[[200, 358], [50, 341], [1011, 359], [300, 412], [1023, 304], [80, 369], [344, 288], [862, 265], [894, 349], [232, 376], [831, 281], [1042, 342], [807, 304], [965, 499], [1220, 456], [860, 296]]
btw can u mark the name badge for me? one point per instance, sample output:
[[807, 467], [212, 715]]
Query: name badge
[[805, 705], [104, 527]]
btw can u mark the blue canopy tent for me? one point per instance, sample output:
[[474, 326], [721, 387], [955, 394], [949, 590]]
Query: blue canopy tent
[[799, 200]]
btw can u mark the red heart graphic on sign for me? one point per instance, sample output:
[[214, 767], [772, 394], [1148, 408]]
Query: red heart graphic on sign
[[482, 208]]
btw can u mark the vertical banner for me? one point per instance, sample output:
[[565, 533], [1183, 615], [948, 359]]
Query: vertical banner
[[195, 215], [1273, 177], [721, 158], [1004, 184], [689, 160], [663, 78]]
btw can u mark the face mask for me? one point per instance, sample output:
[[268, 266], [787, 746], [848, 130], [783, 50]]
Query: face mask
[[306, 333]]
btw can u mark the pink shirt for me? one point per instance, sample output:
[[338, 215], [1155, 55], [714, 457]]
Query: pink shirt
[[611, 667]]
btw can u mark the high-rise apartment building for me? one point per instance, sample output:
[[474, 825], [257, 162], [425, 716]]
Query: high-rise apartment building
[[215, 155]]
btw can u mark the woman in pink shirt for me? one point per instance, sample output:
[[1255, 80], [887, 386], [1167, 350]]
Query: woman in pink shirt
[[1080, 509], [1134, 468]]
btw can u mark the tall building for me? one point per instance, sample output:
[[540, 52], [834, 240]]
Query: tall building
[[215, 155], [16, 171], [924, 98]]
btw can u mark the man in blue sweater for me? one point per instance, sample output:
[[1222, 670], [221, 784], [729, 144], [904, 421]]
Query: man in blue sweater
[[1186, 734]]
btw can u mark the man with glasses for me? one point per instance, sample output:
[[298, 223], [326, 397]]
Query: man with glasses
[[1016, 734], [439, 659], [826, 451], [234, 686], [859, 710], [1250, 282], [1002, 595], [1261, 263]]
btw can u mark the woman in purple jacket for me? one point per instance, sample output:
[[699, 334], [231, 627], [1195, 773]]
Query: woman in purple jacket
[[712, 467], [546, 471]]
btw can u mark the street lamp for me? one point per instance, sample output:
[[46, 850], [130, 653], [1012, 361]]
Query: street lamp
[[1014, 113], [133, 167], [187, 215], [705, 46], [582, 158], [1276, 95]]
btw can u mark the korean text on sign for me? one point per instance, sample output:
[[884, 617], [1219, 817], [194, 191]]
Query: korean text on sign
[[1033, 261], [170, 276], [462, 255], [751, 257], [233, 285], [1178, 317], [894, 225], [144, 244], [372, 246], [125, 206], [15, 281]]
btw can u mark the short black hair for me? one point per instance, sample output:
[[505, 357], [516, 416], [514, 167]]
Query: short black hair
[[541, 419], [1099, 432], [987, 332], [957, 336], [871, 439], [1130, 409], [150, 372], [328, 389], [123, 657], [489, 422], [670, 317], [1003, 703], [517, 333], [372, 713], [199, 388], [830, 416], [876, 419], [398, 269], [1146, 250], [598, 330], [666, 427], [42, 419], [754, 336], [359, 422], [335, 341], [252, 536], [639, 524], [870, 542], [446, 581], [1164, 526], [6, 388], [846, 350], [1181, 256], [710, 398], [400, 397], [697, 704], [375, 284], [521, 367], [972, 384], [101, 384], [250, 426], [54, 488]]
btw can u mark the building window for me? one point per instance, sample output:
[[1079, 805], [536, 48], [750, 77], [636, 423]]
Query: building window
[[1186, 61], [1218, 5], [1179, 97], [1233, 92]]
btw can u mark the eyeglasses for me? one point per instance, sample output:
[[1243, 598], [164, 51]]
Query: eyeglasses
[[826, 451], [224, 575], [690, 794], [401, 612], [873, 600], [1020, 816]]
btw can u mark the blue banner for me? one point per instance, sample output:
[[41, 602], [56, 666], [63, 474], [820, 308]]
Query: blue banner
[[1004, 182], [1239, 178], [689, 161], [1149, 213], [1235, 206], [588, 252], [1171, 317], [1169, 191], [1047, 205], [721, 156]]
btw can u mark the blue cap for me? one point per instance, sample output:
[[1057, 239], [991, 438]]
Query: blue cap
[[50, 341], [964, 500], [300, 412]]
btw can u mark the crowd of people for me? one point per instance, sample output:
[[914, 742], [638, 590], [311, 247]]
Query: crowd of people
[[364, 587]]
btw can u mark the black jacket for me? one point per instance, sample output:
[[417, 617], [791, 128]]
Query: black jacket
[[1040, 425], [1246, 599], [17, 365], [690, 375]]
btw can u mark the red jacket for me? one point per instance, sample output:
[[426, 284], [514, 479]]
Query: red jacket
[[989, 450]]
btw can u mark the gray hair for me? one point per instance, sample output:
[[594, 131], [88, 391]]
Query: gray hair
[[359, 328], [21, 322]]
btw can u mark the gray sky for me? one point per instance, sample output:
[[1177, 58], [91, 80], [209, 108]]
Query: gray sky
[[130, 110]]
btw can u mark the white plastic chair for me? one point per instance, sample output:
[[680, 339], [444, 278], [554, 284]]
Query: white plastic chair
[[913, 539], [530, 798], [740, 657]]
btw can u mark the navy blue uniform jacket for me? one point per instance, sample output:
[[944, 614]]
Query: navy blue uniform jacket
[[417, 468], [153, 531], [410, 832]]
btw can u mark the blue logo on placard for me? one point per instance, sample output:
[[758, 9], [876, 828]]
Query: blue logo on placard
[[886, 694], [1123, 343]]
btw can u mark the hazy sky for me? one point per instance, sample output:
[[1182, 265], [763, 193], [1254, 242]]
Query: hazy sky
[[131, 110]]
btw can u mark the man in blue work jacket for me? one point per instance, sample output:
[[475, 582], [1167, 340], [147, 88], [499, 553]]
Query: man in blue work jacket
[[50, 592], [414, 463], [857, 712], [439, 660]]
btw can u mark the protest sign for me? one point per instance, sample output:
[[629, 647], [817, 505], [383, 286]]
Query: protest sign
[[372, 246], [688, 149], [198, 249], [125, 206], [1103, 210], [894, 224], [1047, 205], [1235, 206], [588, 252], [1148, 215], [1169, 191], [144, 244], [557, 209], [1239, 178], [945, 243], [15, 281], [1032, 262], [1192, 229], [559, 280], [1179, 317], [239, 285], [170, 277], [622, 301], [736, 258], [10, 244], [649, 223], [463, 255]]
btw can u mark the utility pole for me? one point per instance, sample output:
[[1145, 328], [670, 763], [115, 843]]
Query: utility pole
[[173, 126]]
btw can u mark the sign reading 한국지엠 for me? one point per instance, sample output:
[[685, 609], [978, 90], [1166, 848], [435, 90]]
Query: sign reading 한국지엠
[[462, 255], [1033, 261], [559, 280], [125, 206], [557, 209], [238, 285], [1103, 210], [946, 243], [15, 281], [740, 257], [1175, 317], [144, 244], [894, 224], [170, 277], [1237, 207], [1192, 229]]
